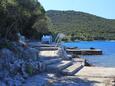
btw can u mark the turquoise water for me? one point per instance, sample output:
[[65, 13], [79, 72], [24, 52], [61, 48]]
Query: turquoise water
[[108, 48]]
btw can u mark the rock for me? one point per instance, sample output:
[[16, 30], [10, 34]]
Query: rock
[[2, 84], [14, 81], [24, 72], [26, 53], [38, 80], [18, 63], [20, 78], [26, 68], [9, 81], [17, 49], [31, 68], [34, 67], [3, 74], [30, 54], [6, 57], [16, 67]]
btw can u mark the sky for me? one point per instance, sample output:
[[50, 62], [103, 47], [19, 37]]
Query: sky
[[102, 8]]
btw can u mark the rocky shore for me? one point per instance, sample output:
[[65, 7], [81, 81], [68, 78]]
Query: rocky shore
[[17, 63], [21, 65]]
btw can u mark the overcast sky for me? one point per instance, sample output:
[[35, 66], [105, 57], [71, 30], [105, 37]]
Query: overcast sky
[[103, 8]]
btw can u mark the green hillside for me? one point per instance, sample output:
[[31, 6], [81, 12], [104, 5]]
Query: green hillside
[[82, 26]]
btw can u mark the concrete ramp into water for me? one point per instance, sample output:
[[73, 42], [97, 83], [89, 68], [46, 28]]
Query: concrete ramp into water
[[98, 72]]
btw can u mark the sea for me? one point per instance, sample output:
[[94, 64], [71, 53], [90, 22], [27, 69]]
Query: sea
[[105, 60]]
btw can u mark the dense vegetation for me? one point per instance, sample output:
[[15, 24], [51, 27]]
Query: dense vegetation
[[24, 16], [82, 26]]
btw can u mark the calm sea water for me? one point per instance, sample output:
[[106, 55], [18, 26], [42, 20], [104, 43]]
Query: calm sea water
[[108, 48]]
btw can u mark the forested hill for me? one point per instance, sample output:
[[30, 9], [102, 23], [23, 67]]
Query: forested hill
[[81, 25]]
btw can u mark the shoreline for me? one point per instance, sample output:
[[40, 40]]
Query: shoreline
[[90, 74], [90, 41], [105, 60], [88, 64]]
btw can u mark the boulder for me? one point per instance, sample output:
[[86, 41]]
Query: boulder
[[25, 53], [2, 84], [6, 57], [30, 54], [12, 82], [16, 67], [34, 67], [3, 73]]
